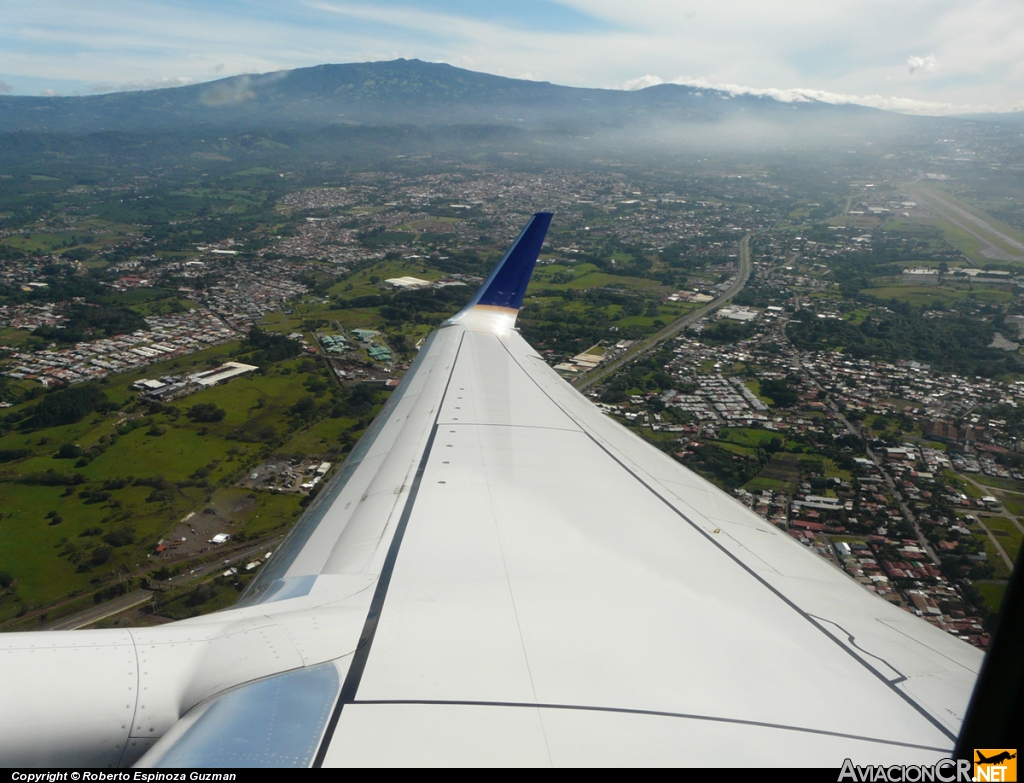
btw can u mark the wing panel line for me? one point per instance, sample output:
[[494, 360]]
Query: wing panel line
[[519, 624], [889, 684], [135, 711], [503, 424], [362, 653], [851, 639], [654, 713]]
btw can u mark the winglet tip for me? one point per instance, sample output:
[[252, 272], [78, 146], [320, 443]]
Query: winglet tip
[[507, 284], [504, 290]]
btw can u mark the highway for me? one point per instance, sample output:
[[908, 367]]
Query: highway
[[650, 343], [93, 615], [101, 611]]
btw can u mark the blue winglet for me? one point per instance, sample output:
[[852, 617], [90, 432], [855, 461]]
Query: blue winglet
[[507, 284]]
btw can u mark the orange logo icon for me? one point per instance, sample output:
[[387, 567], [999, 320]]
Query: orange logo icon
[[995, 764]]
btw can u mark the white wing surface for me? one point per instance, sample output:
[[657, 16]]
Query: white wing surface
[[502, 575]]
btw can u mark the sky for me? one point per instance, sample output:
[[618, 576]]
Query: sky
[[916, 56]]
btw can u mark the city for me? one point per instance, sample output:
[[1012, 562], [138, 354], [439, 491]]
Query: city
[[890, 469]]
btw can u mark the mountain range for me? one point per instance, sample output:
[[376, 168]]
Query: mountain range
[[401, 92]]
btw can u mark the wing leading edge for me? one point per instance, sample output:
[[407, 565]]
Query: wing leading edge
[[502, 575]]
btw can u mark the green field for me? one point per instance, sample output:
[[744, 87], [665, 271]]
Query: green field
[[736, 448], [1013, 503], [863, 222], [1000, 571], [254, 171], [583, 276], [745, 436], [834, 471], [38, 243], [140, 295], [755, 386], [322, 438], [143, 468], [999, 483], [969, 245], [358, 283], [1007, 533], [760, 483], [916, 295], [782, 473], [993, 593], [14, 338], [923, 295]]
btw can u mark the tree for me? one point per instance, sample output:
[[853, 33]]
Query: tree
[[206, 412], [69, 451], [67, 406], [304, 407], [200, 595], [122, 536], [782, 393]]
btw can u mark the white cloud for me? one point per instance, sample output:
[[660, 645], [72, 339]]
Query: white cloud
[[928, 63], [804, 95], [237, 90], [48, 93], [158, 83], [644, 81]]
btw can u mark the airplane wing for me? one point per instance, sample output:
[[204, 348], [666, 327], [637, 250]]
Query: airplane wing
[[501, 575]]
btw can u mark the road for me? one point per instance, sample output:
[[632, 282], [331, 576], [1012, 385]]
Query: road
[[102, 611], [650, 343]]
